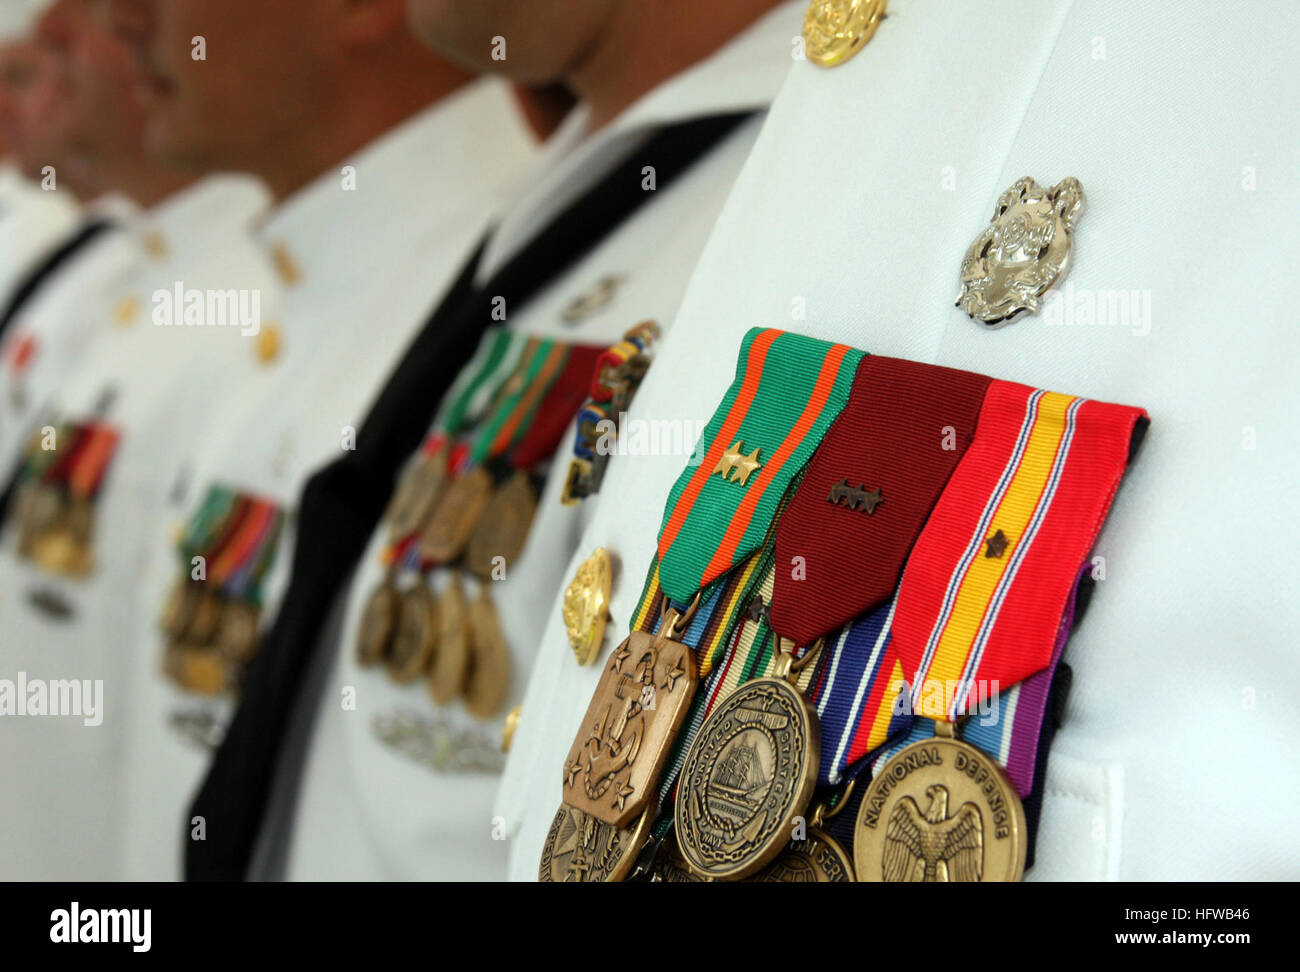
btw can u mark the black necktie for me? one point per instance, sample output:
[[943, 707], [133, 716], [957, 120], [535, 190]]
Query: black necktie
[[46, 268], [342, 503]]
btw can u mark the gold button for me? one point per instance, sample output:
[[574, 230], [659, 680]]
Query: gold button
[[285, 265], [835, 30], [155, 244], [508, 730], [268, 343], [128, 308]]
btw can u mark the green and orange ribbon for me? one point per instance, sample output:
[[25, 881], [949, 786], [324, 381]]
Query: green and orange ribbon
[[787, 391]]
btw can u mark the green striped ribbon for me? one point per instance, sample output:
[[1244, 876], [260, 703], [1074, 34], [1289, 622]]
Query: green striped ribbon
[[787, 392]]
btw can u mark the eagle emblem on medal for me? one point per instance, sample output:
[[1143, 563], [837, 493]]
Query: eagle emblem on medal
[[1022, 253]]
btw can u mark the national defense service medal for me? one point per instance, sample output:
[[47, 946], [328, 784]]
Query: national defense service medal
[[640, 703], [749, 773], [581, 848], [1022, 253], [940, 810]]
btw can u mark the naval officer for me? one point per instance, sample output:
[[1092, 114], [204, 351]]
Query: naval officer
[[384, 162], [876, 170], [647, 75], [121, 420]]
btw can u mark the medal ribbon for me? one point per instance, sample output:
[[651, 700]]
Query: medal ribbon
[[1010, 731], [237, 535], [990, 576], [787, 391], [868, 490]]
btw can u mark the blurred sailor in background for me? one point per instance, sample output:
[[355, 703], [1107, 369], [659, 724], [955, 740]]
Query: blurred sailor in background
[[149, 356], [410, 678], [384, 162]]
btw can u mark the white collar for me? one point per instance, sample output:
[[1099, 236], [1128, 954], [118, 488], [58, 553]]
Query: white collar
[[213, 209], [745, 74], [412, 177]]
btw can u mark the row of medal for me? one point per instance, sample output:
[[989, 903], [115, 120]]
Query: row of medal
[[871, 550], [54, 497], [210, 621], [464, 506]]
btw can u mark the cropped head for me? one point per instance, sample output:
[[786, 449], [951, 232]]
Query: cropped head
[[242, 84]]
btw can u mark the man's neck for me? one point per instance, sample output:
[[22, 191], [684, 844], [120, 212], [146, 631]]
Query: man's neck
[[626, 60], [364, 111]]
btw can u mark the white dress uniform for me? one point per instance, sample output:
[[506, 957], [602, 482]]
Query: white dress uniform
[[365, 811], [157, 386], [368, 248], [849, 223], [54, 327], [32, 223]]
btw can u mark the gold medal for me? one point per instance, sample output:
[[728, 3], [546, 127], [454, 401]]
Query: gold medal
[[179, 608], [835, 30], [206, 620], [456, 515], [940, 810], [378, 622], [818, 859], [198, 670], [417, 494], [639, 705], [581, 848], [416, 636], [451, 661], [503, 527], [489, 670], [749, 773], [237, 637], [586, 606]]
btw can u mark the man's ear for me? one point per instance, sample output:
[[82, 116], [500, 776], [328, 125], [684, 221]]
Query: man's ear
[[369, 21]]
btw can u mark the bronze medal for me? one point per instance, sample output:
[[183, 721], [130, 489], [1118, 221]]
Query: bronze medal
[[179, 608], [237, 637], [625, 738], [586, 606], [670, 867], [416, 636], [453, 520], [417, 494], [940, 810], [749, 773], [581, 848], [489, 669], [503, 527], [198, 670], [451, 661], [378, 622], [205, 621], [818, 860]]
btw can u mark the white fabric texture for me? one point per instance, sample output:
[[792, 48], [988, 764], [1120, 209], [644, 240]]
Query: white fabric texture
[[849, 223]]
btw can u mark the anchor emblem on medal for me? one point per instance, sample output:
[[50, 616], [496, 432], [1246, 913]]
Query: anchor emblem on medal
[[1022, 253]]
